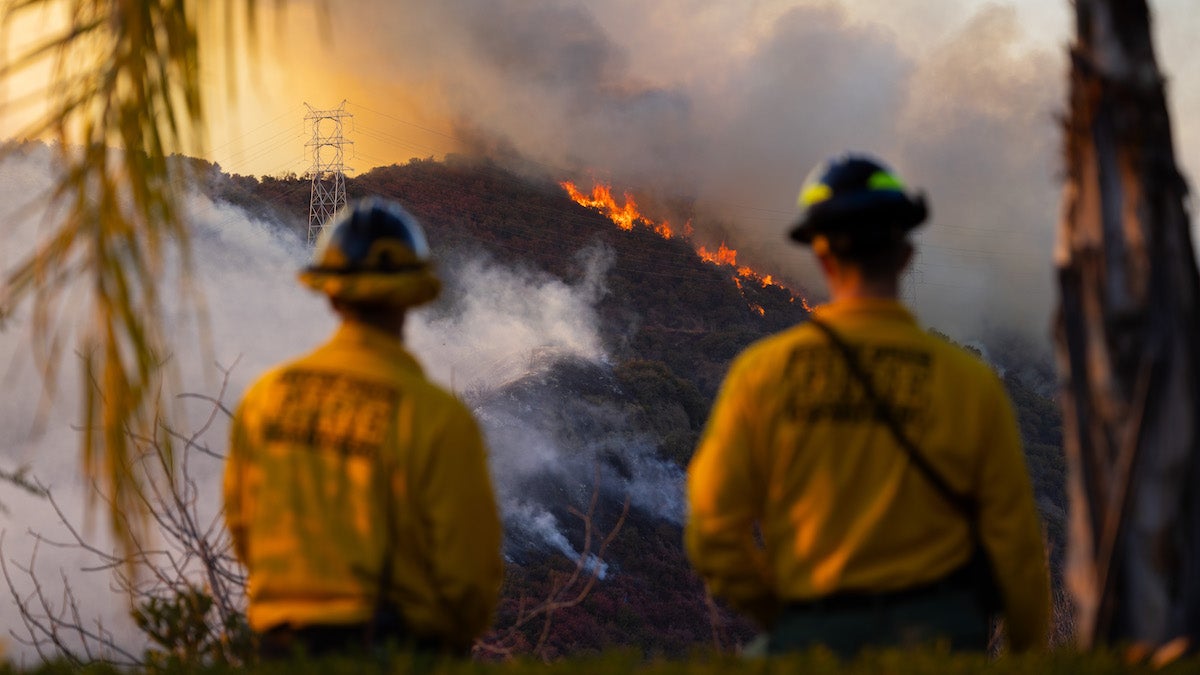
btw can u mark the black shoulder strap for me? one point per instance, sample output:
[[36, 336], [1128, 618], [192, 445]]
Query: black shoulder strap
[[386, 621], [963, 503]]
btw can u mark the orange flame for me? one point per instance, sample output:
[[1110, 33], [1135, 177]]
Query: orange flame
[[722, 256], [664, 230], [728, 256], [625, 215]]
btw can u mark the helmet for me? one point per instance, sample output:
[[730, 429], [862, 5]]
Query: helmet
[[858, 197], [373, 251]]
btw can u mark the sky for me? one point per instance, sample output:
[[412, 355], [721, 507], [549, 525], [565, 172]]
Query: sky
[[718, 110], [412, 95], [703, 109]]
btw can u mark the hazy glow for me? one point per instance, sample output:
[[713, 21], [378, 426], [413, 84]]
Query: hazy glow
[[720, 106], [257, 126], [23, 97]]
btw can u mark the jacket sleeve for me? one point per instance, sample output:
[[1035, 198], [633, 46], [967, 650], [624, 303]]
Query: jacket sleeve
[[724, 504], [1011, 531], [234, 495], [465, 529]]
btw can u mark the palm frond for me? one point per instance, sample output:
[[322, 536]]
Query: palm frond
[[124, 98]]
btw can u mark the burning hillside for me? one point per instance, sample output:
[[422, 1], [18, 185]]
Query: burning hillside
[[627, 215]]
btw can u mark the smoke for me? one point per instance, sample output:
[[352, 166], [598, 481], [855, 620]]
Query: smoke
[[523, 349], [560, 444], [518, 345], [254, 317], [724, 107], [497, 319], [531, 521], [981, 135]]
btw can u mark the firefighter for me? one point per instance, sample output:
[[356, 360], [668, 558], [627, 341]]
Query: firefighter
[[357, 492], [860, 481]]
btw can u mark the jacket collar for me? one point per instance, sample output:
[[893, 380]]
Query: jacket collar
[[359, 335], [873, 308]]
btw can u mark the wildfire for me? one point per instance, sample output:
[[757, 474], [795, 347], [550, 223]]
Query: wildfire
[[722, 256], [728, 256], [624, 215], [627, 214]]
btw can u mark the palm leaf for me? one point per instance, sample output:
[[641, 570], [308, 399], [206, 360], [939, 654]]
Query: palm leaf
[[125, 97]]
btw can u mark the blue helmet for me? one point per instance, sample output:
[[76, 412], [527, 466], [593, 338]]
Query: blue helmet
[[373, 251]]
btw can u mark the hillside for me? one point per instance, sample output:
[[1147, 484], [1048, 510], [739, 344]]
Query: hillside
[[670, 323]]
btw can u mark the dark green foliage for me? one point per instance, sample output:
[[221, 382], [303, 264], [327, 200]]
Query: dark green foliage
[[664, 405], [1040, 421], [181, 631], [1039, 418]]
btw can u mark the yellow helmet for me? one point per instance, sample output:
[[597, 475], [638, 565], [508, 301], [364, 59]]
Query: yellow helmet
[[373, 251]]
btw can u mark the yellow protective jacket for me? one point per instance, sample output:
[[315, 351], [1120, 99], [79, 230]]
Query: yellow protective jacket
[[349, 456], [792, 446]]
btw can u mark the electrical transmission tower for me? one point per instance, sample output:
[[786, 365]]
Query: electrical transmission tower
[[328, 172]]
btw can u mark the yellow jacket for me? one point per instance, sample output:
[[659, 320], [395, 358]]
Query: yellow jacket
[[792, 447], [319, 449]]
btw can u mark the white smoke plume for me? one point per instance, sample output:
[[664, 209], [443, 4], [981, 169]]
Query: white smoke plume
[[501, 319], [496, 326]]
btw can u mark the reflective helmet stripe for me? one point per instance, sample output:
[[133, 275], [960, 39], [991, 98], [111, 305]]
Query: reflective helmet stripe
[[882, 180], [816, 192], [856, 194]]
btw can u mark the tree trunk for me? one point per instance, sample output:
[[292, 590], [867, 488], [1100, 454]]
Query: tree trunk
[[1128, 333]]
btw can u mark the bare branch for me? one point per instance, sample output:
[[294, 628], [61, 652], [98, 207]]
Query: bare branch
[[185, 575], [566, 590]]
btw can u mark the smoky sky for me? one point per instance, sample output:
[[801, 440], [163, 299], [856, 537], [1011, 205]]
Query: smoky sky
[[716, 112], [982, 136]]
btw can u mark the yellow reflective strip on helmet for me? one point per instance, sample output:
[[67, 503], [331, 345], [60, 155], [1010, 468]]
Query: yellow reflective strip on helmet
[[818, 192], [882, 180]]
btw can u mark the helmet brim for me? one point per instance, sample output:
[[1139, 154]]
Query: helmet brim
[[406, 289]]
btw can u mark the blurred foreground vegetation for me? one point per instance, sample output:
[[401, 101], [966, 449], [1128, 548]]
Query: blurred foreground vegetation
[[900, 662]]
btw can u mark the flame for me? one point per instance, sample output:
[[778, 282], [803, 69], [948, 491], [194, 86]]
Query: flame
[[728, 256], [664, 230], [722, 256], [624, 215], [627, 214]]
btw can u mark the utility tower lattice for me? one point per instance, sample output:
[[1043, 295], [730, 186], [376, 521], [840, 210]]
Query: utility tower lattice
[[328, 172]]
